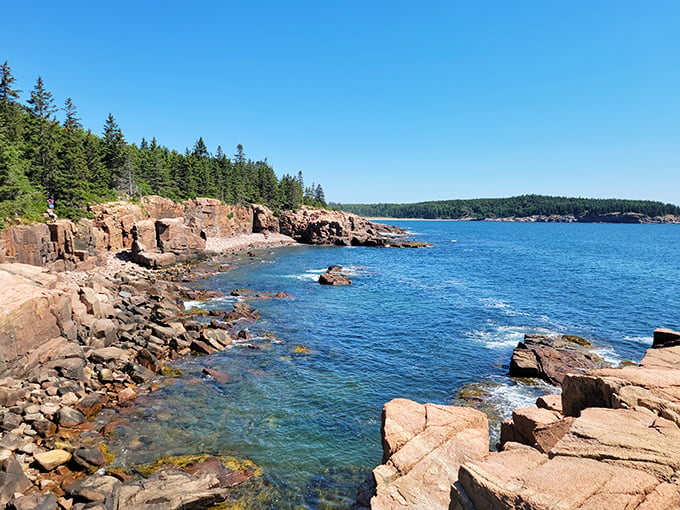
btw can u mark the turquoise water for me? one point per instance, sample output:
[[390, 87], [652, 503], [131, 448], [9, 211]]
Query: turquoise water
[[416, 323]]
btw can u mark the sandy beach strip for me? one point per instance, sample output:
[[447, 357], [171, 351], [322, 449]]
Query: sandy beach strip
[[247, 241]]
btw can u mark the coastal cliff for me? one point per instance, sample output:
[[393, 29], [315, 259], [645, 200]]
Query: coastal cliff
[[159, 232], [609, 441]]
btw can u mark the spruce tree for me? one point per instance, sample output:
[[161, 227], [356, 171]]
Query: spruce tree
[[10, 112], [42, 136], [113, 152], [72, 121]]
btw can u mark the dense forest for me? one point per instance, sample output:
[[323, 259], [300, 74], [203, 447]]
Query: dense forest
[[42, 158], [521, 206]]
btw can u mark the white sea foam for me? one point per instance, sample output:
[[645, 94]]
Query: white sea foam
[[313, 274], [304, 276], [501, 304], [210, 303], [647, 340], [503, 337], [508, 397], [608, 354]]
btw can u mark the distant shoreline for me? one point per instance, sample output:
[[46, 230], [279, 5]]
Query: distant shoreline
[[620, 219]]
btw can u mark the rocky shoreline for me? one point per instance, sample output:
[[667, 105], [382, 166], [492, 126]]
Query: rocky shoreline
[[628, 217], [608, 440], [90, 320], [83, 327]]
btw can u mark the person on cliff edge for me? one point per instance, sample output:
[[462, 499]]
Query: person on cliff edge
[[50, 209]]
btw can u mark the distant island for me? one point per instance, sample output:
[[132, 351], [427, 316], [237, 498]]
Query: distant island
[[538, 208]]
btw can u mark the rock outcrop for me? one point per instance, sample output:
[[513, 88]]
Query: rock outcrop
[[334, 276], [423, 448], [612, 442], [551, 357], [264, 220], [319, 226]]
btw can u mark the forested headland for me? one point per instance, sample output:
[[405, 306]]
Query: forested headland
[[513, 207], [42, 157]]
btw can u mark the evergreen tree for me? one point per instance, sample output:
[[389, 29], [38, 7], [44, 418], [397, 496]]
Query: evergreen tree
[[200, 149], [18, 197], [10, 112], [319, 195], [113, 152], [290, 192], [72, 121], [240, 156], [70, 184], [41, 102], [42, 136]]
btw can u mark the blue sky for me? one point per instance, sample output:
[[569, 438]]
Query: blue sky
[[381, 101]]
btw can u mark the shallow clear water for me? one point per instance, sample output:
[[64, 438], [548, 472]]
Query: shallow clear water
[[416, 323]]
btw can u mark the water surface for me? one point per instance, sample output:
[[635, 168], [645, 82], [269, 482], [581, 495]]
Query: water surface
[[416, 323]]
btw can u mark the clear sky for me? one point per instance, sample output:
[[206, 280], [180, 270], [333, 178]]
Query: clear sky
[[381, 101]]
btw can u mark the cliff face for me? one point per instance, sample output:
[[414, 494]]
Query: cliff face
[[66, 245], [160, 232]]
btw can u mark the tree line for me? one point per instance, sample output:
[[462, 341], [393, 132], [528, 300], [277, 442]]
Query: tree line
[[41, 158], [520, 206]]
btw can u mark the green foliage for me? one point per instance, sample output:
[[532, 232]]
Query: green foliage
[[41, 158], [520, 206]]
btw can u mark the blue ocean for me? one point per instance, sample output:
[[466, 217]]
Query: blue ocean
[[416, 323]]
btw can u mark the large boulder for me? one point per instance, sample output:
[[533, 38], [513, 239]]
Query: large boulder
[[144, 235], [175, 237], [264, 219], [27, 316], [552, 357], [424, 445], [334, 279]]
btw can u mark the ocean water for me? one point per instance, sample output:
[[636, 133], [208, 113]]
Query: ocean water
[[416, 323]]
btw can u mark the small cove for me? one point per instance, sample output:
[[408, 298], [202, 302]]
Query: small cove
[[418, 324]]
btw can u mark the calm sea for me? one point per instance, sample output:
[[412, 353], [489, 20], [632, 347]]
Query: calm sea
[[416, 323]]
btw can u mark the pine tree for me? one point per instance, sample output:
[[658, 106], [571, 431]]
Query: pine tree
[[240, 156], [41, 102], [10, 112], [42, 136], [72, 120], [71, 178], [113, 152], [200, 149], [319, 195], [290, 192]]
